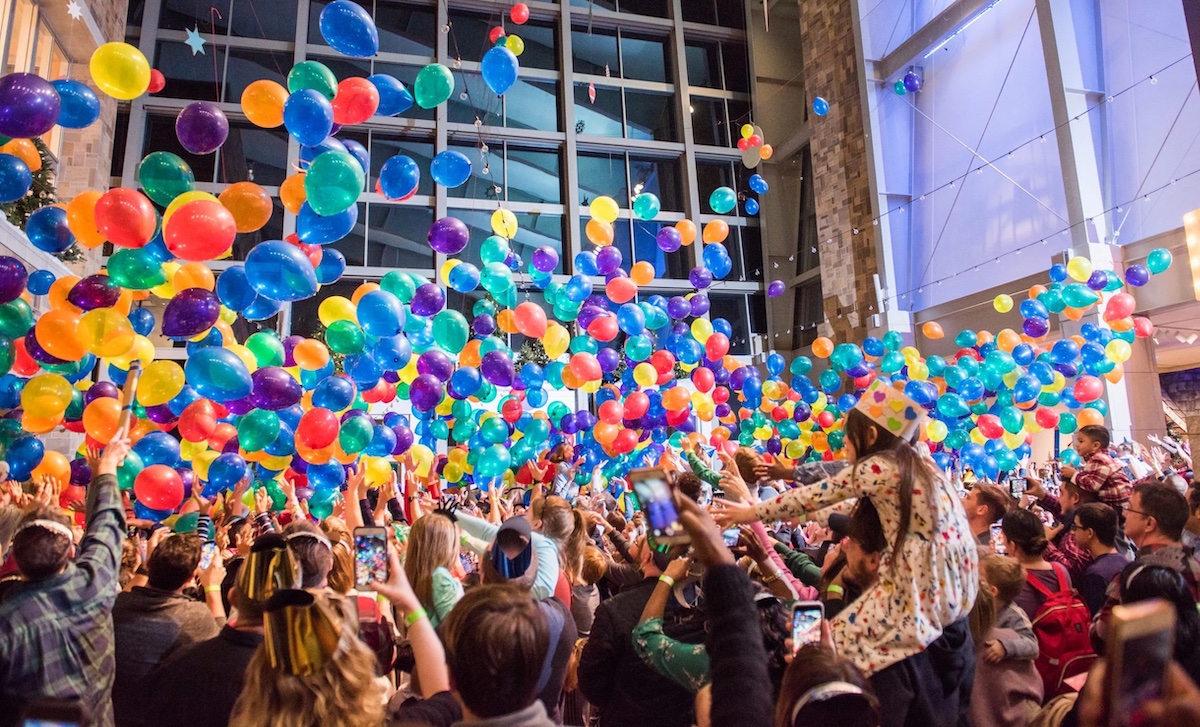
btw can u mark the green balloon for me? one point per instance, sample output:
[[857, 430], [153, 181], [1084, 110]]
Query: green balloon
[[638, 348], [267, 348], [493, 461], [482, 307], [187, 523], [557, 411], [135, 269], [1078, 295], [434, 85], [487, 392], [345, 337], [129, 470], [1067, 423], [164, 176], [494, 249], [450, 331], [333, 182], [646, 206], [16, 318], [355, 434], [399, 284], [75, 408], [494, 430], [496, 278], [314, 75], [258, 429], [7, 355]]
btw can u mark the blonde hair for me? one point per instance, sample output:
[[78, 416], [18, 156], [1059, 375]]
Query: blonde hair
[[344, 693], [341, 575], [432, 544], [595, 565]]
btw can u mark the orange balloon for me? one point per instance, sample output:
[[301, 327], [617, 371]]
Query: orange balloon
[[249, 204], [687, 231], [642, 273], [40, 425], [1008, 340], [310, 354], [194, 275], [469, 356], [506, 321], [676, 398], [55, 332], [124, 303], [571, 379], [292, 193], [1073, 314], [54, 464], [985, 337], [24, 150], [362, 290], [1121, 325], [822, 347], [101, 417], [1115, 376], [604, 432], [57, 295], [766, 151], [620, 290], [716, 231], [1089, 417], [1036, 290], [600, 232], [262, 102], [933, 330]]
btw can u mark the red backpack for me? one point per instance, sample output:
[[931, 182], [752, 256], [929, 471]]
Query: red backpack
[[1061, 625]]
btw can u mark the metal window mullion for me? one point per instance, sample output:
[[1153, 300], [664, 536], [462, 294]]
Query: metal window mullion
[[691, 182], [441, 119], [572, 243]]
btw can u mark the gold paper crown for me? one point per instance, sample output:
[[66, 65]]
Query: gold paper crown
[[891, 409], [270, 567], [303, 632]]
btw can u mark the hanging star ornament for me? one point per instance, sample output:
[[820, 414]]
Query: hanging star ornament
[[75, 10], [194, 41]]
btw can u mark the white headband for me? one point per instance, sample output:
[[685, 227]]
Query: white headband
[[50, 525], [307, 534], [823, 693]]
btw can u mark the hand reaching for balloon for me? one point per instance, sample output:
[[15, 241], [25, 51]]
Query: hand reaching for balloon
[[356, 482], [262, 501], [735, 487], [93, 457], [203, 504], [733, 513], [776, 470], [114, 455]]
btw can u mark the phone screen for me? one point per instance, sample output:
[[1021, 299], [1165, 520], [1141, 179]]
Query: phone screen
[[1017, 485], [806, 624], [370, 556], [731, 536], [998, 540], [1144, 661], [654, 496], [207, 551]]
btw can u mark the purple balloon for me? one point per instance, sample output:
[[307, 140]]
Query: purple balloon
[[483, 325], [775, 289], [189, 480], [722, 411], [273, 388], [238, 407], [700, 278], [13, 278], [669, 239], [81, 474], [1097, 280], [190, 313], [608, 259], [436, 364], [609, 359], [545, 259], [29, 105], [161, 414], [449, 236], [1036, 327], [1137, 275], [678, 307], [201, 127], [289, 345], [404, 439], [94, 291], [425, 392], [700, 304], [99, 390], [497, 368], [428, 300]]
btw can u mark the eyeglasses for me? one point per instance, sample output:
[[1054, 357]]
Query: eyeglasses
[[1077, 526], [1139, 512]]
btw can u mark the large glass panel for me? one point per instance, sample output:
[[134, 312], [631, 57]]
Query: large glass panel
[[700, 11], [532, 105], [480, 103], [534, 175], [408, 76], [468, 37], [160, 136], [644, 58], [739, 113], [595, 52], [601, 175], [399, 236], [708, 121], [659, 176], [646, 249], [656, 8], [247, 66], [275, 20], [703, 63], [736, 65], [352, 245], [752, 252], [650, 116], [253, 154], [404, 28], [189, 14], [187, 76], [487, 172], [24, 35], [384, 147], [731, 14], [732, 307], [602, 118], [541, 44]]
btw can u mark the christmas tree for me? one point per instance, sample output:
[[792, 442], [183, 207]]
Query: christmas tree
[[41, 193]]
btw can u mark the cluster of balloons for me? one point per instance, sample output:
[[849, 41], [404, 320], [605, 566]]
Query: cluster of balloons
[[911, 83], [753, 147]]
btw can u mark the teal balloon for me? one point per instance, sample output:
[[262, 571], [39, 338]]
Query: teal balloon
[[312, 75], [646, 206], [355, 434], [722, 200], [451, 331], [333, 182], [1078, 295], [1067, 423], [164, 176], [434, 85], [495, 249], [257, 429], [493, 461], [1158, 260], [218, 374], [494, 430], [496, 278], [801, 365]]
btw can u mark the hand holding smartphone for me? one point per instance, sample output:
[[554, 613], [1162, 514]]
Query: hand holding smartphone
[[807, 617], [370, 556], [653, 492], [1140, 645]]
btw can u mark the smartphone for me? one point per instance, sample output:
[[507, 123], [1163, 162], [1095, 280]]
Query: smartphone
[[998, 540], [653, 492], [207, 551], [1017, 486], [806, 624], [370, 556], [1140, 644], [731, 536], [52, 713]]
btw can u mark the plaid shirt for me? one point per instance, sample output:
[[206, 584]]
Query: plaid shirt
[[57, 639], [1175, 556], [1105, 477]]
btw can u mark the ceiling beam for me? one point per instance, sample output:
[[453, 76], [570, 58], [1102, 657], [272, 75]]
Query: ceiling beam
[[953, 19]]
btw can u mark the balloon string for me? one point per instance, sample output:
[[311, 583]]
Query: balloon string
[[212, 11]]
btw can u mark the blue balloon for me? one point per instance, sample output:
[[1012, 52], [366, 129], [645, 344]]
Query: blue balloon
[[820, 106], [280, 271], [308, 116], [326, 476], [585, 262], [23, 455], [758, 184], [751, 206], [349, 30], [363, 369], [392, 353], [15, 178], [332, 265], [315, 229], [308, 153], [47, 230], [713, 254], [234, 289], [218, 374], [380, 314], [450, 169], [499, 68], [631, 319], [464, 278], [80, 107], [360, 154], [399, 177], [383, 441], [142, 321], [40, 281], [394, 98], [158, 448]]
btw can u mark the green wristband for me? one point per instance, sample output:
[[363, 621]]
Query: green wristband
[[414, 616]]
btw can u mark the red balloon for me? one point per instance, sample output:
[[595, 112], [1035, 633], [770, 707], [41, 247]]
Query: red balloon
[[620, 290], [636, 405], [199, 231], [198, 421], [531, 319], [825, 419], [779, 414], [755, 140], [663, 362], [585, 366], [1142, 327], [743, 144], [126, 217], [990, 426], [716, 346], [157, 81], [703, 379], [604, 328], [612, 412], [356, 101], [1046, 418], [159, 487], [317, 428], [519, 14], [675, 418], [510, 410], [23, 363], [1119, 306], [720, 395], [626, 440], [221, 436], [1088, 388]]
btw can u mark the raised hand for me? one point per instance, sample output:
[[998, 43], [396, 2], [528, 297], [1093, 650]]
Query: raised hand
[[114, 455]]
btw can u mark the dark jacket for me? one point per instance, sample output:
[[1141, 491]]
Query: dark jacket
[[199, 686], [615, 680], [932, 688], [741, 686], [151, 625]]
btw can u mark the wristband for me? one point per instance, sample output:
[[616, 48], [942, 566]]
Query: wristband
[[414, 616], [212, 589], [664, 578]]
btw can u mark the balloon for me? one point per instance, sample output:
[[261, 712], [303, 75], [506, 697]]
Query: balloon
[[308, 116], [333, 182], [120, 70], [105, 332], [1137, 275], [1079, 268], [81, 219], [273, 388], [381, 314], [263, 102], [450, 169], [499, 69], [530, 319], [80, 107], [394, 98], [600, 233], [159, 487], [123, 216], [312, 75], [604, 209], [722, 200], [161, 382], [399, 177], [519, 14], [101, 418], [190, 313], [357, 100], [449, 235], [752, 206], [1158, 260], [349, 29], [47, 229], [715, 231], [504, 223], [820, 106], [15, 178], [280, 271], [312, 228], [23, 455], [249, 204], [433, 86], [39, 281], [646, 206], [218, 374], [201, 127], [164, 176], [932, 330], [758, 184], [912, 82], [157, 81], [776, 288], [198, 231]]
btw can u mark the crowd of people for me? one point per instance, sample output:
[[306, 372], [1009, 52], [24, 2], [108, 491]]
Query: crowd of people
[[946, 601]]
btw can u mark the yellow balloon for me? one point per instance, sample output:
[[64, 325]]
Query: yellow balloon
[[202, 461], [604, 209], [160, 382], [936, 431], [918, 371], [422, 458], [1060, 382], [1118, 350], [1079, 268], [504, 223], [105, 332], [702, 329], [911, 355], [46, 395], [645, 374], [336, 308], [556, 340], [977, 437], [379, 471], [228, 316], [189, 450], [1010, 379], [452, 472], [142, 350], [1012, 441], [747, 131], [446, 268], [120, 70], [409, 373], [794, 449], [166, 290], [515, 44], [1002, 303]]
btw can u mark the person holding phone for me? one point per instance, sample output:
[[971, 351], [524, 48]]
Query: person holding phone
[[928, 577]]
